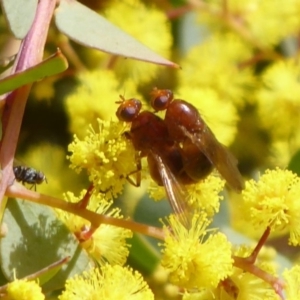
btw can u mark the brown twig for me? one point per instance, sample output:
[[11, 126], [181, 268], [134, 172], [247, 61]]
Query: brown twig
[[18, 191], [247, 264]]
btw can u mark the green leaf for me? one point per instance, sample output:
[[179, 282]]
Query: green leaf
[[3, 279], [142, 256], [19, 15], [149, 212], [222, 218], [88, 28], [294, 164], [55, 64], [37, 239], [144, 253], [50, 272]]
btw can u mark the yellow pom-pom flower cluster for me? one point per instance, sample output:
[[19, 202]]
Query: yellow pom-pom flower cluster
[[259, 23], [110, 282], [240, 79], [192, 261], [95, 97], [278, 107], [273, 202], [281, 89], [292, 278], [108, 243], [24, 289], [215, 65], [106, 155], [205, 195]]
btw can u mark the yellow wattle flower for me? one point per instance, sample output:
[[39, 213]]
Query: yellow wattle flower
[[110, 283], [192, 261]]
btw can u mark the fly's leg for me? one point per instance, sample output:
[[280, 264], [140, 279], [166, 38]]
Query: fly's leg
[[137, 172]]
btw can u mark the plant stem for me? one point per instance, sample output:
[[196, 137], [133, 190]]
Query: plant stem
[[30, 53], [18, 191], [247, 264]]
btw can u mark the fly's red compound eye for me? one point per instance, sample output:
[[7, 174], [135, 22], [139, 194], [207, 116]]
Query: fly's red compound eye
[[128, 109], [160, 99]]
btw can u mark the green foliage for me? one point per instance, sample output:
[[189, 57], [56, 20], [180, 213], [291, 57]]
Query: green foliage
[[52, 66], [90, 29], [241, 71], [36, 239], [294, 164], [19, 15]]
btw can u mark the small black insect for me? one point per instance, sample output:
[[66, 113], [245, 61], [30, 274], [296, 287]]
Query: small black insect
[[29, 175]]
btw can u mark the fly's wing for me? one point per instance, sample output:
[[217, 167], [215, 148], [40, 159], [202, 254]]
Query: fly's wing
[[218, 155], [174, 191]]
